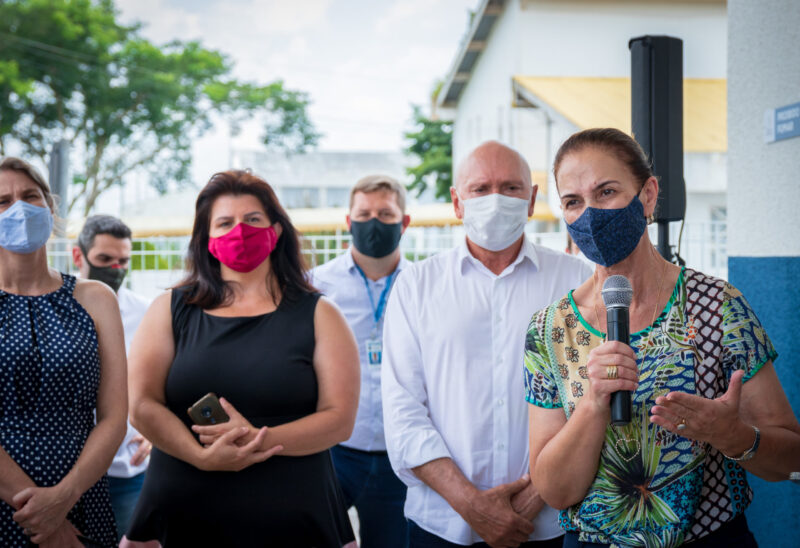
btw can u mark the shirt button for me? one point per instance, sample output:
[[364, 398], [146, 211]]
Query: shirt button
[[501, 446], [501, 401]]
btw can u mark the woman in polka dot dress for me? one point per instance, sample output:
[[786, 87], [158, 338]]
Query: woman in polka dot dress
[[62, 359]]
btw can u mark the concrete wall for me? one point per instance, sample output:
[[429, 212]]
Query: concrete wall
[[763, 201]]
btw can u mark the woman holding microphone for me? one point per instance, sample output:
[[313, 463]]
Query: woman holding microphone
[[707, 404]]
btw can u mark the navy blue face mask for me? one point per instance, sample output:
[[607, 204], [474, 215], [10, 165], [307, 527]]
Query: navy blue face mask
[[374, 238], [607, 236]]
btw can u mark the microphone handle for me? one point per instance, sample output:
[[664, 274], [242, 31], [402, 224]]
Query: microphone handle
[[618, 322]]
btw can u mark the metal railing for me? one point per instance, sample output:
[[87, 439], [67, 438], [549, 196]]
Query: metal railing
[[158, 262]]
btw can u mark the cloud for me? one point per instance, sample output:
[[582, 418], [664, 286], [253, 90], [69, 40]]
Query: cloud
[[403, 10], [284, 17], [167, 20], [361, 61]]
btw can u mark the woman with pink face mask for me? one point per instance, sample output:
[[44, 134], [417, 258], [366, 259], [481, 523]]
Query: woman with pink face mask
[[247, 326]]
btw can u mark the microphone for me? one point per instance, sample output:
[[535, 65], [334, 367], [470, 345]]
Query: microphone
[[617, 296]]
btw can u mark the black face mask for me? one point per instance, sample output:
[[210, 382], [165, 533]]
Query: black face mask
[[374, 238], [109, 275]]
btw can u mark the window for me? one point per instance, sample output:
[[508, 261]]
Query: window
[[337, 197], [719, 237], [297, 197]]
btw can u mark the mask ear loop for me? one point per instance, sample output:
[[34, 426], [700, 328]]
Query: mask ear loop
[[649, 218]]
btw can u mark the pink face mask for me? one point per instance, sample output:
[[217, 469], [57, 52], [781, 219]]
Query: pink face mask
[[243, 248]]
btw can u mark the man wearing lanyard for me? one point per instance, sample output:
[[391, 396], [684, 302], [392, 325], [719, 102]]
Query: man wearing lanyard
[[359, 282]]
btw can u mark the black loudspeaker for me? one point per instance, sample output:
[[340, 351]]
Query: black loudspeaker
[[657, 116]]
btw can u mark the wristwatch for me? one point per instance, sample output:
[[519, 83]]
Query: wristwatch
[[749, 453]]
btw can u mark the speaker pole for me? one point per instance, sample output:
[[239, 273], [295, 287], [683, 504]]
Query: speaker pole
[[663, 240]]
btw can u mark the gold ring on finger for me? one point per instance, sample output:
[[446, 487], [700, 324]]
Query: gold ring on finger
[[611, 372], [681, 424]]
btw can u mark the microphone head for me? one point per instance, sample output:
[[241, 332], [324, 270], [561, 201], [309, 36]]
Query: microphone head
[[617, 292]]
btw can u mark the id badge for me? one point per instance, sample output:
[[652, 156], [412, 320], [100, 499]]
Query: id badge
[[374, 351]]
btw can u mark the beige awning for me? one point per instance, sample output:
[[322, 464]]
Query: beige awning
[[606, 102]]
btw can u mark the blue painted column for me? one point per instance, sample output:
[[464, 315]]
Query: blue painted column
[[764, 215]]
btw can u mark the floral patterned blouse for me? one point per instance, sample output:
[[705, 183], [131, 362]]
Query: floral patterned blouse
[[654, 488]]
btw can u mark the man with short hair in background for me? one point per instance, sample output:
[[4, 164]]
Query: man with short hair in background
[[455, 416], [103, 253], [359, 282]]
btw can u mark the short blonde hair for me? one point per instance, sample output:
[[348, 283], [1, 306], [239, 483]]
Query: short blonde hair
[[374, 183], [11, 163]]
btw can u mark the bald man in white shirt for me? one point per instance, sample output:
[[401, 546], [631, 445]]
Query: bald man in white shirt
[[454, 413]]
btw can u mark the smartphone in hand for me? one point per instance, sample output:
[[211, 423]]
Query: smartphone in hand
[[208, 410]]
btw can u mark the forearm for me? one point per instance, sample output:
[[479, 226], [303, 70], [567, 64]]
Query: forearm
[[96, 456], [576, 447], [311, 434], [165, 431], [443, 476], [778, 451], [13, 479]]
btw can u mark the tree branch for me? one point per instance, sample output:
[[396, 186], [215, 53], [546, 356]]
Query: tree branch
[[32, 147], [91, 174]]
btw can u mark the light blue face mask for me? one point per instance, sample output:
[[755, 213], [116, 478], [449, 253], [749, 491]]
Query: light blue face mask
[[24, 227]]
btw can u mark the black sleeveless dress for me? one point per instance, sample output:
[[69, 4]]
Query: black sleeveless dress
[[263, 366]]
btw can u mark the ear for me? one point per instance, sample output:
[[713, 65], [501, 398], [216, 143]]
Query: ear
[[406, 222], [533, 200], [278, 229], [347, 219], [77, 257], [457, 206], [649, 196]]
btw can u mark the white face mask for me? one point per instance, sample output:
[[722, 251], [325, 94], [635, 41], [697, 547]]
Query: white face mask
[[495, 221]]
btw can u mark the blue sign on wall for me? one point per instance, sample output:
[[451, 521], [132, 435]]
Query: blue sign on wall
[[782, 123]]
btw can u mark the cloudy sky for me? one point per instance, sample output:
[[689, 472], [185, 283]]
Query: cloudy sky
[[363, 62]]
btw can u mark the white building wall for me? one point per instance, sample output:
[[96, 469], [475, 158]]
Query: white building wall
[[764, 189], [485, 103], [584, 38], [590, 37]]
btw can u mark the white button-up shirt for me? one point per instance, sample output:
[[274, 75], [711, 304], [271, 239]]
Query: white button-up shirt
[[132, 308], [340, 281], [452, 374]]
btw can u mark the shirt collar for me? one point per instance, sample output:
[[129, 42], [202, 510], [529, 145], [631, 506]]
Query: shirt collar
[[526, 252]]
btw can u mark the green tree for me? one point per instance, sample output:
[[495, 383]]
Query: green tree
[[431, 142], [69, 70]]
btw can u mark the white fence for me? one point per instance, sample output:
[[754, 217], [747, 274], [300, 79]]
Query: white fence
[[157, 263]]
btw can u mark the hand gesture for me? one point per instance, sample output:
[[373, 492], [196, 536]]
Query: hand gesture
[[142, 452], [42, 510], [225, 455], [65, 536], [208, 434], [702, 419], [492, 516], [611, 368]]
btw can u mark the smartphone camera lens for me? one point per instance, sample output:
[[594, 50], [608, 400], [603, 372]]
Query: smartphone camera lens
[[205, 411]]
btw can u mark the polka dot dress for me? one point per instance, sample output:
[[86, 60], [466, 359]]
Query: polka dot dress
[[49, 376]]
